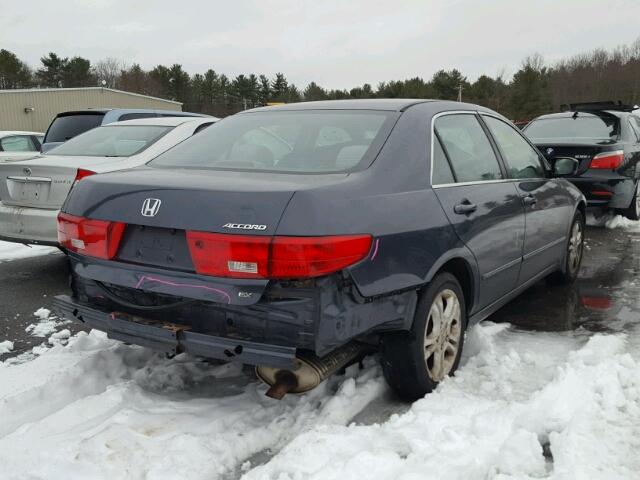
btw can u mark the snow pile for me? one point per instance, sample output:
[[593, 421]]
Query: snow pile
[[15, 251], [523, 405], [495, 419], [100, 409], [612, 221], [6, 346]]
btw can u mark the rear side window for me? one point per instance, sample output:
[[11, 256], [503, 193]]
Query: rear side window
[[468, 148], [112, 141], [18, 143], [308, 141], [521, 159], [442, 173], [134, 116], [68, 126], [584, 125]]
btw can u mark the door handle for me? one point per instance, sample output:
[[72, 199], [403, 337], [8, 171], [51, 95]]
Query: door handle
[[465, 208], [529, 200]]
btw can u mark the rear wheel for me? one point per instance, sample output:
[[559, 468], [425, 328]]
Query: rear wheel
[[573, 254], [633, 212], [415, 362]]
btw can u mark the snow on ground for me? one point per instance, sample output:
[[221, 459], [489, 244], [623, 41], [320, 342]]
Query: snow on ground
[[6, 346], [15, 251], [96, 408], [46, 325], [611, 221]]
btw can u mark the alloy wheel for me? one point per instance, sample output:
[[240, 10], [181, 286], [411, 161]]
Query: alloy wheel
[[442, 334], [575, 246]]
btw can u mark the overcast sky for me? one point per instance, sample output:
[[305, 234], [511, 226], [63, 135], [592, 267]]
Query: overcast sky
[[339, 44]]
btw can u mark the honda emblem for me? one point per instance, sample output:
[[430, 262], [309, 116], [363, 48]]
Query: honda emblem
[[150, 207]]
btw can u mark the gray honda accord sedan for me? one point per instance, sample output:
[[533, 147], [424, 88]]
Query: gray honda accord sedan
[[299, 238]]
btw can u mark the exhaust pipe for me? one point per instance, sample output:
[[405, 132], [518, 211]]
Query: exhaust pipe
[[310, 370]]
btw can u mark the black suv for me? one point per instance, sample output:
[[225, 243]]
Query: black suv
[[605, 139]]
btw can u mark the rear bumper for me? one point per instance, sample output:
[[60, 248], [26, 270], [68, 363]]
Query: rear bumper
[[615, 192], [171, 338], [317, 315], [29, 225]]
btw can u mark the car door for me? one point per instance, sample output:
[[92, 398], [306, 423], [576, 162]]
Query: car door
[[547, 205], [483, 206]]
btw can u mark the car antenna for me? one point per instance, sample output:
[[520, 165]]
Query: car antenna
[[575, 115]]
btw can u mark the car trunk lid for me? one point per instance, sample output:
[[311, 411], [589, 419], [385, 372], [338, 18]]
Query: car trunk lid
[[43, 182], [583, 151], [160, 206]]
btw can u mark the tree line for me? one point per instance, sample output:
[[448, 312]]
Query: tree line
[[535, 88]]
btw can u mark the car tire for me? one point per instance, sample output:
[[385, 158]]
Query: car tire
[[633, 212], [415, 362], [573, 253]]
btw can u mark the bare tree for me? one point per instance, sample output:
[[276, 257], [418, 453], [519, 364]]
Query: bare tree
[[108, 71]]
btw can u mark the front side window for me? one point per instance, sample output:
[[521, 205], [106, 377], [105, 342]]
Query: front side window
[[112, 141], [468, 148], [521, 158], [309, 141], [17, 143]]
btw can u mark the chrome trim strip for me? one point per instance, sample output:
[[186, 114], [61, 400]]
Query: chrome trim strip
[[510, 264], [464, 184], [30, 179], [543, 248]]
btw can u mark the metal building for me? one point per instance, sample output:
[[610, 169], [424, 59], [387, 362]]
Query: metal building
[[33, 109]]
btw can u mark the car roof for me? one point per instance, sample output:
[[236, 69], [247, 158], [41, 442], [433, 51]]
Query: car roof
[[6, 133], [384, 104], [163, 121], [104, 111]]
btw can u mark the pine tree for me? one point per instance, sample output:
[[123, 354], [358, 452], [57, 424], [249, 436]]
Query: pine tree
[[279, 87], [77, 73], [52, 71], [13, 72]]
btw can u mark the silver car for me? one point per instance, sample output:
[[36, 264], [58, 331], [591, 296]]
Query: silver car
[[32, 191]]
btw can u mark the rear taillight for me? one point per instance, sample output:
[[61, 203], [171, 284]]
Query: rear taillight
[[244, 256], [82, 173], [296, 257], [96, 238], [607, 160], [223, 255]]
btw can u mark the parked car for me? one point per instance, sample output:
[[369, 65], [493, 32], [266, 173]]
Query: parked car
[[32, 191], [605, 138], [299, 237], [67, 125], [16, 145]]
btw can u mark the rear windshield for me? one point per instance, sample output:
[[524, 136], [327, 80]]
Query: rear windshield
[[112, 141], [66, 127], [591, 127], [310, 141]]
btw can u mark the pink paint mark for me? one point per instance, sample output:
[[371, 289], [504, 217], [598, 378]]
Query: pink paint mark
[[145, 278], [375, 250]]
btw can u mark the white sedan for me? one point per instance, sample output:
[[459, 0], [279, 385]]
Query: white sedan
[[15, 145], [32, 191]]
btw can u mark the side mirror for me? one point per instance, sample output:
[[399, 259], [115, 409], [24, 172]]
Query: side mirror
[[564, 166]]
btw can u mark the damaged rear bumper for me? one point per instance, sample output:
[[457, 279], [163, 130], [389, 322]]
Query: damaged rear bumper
[[172, 338]]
